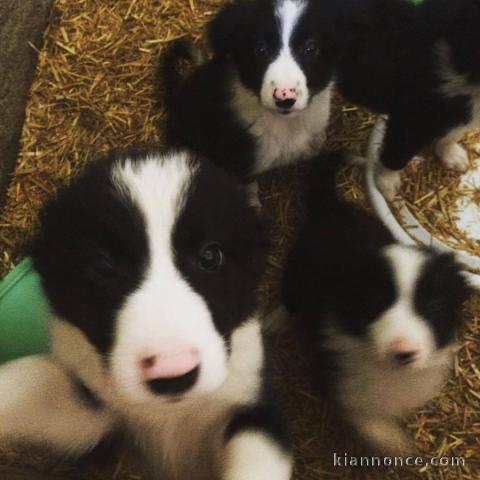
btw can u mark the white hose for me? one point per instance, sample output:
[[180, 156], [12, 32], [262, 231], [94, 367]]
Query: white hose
[[415, 233]]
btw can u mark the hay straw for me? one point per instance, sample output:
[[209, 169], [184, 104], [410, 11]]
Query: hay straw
[[94, 90]]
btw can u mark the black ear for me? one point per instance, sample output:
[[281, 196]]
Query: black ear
[[224, 28]]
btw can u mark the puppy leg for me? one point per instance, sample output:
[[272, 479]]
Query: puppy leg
[[253, 190], [403, 140], [256, 446], [41, 404], [384, 435], [453, 155], [388, 181]]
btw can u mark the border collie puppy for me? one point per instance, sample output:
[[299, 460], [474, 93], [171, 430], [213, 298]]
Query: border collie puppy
[[263, 100], [151, 264], [377, 320], [415, 63]]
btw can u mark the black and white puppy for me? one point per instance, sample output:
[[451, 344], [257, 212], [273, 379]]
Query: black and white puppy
[[415, 63], [151, 264], [263, 100], [377, 320]]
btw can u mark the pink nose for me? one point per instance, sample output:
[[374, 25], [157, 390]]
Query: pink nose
[[281, 94], [176, 362], [404, 351]]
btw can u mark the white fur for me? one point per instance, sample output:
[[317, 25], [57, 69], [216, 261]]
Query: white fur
[[374, 392], [40, 405], [176, 437], [149, 321], [401, 321], [182, 439], [284, 71], [283, 139], [72, 350], [453, 155], [254, 456], [180, 436], [388, 181]]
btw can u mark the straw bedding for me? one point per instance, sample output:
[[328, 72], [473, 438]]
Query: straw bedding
[[94, 90]]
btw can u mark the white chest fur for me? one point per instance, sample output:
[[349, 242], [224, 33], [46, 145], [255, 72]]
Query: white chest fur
[[185, 441], [283, 139], [181, 440], [371, 387]]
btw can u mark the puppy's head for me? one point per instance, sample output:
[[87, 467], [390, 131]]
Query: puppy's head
[[155, 259], [407, 310], [282, 49]]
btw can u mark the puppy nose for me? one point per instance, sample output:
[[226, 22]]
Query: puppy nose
[[285, 97], [403, 351], [171, 371]]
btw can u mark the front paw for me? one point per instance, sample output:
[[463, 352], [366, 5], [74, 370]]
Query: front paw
[[256, 456], [388, 182], [453, 156]]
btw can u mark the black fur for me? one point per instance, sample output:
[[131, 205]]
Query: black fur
[[86, 395], [94, 230], [390, 64], [337, 257], [264, 418], [90, 252], [440, 291], [97, 241], [337, 274], [217, 204], [245, 40]]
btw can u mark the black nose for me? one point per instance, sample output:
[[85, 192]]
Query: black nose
[[404, 358], [174, 385], [285, 104]]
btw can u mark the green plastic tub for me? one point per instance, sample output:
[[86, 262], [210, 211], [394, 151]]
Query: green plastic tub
[[24, 314]]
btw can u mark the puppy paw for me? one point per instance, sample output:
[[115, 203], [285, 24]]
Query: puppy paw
[[453, 156], [253, 191], [388, 182]]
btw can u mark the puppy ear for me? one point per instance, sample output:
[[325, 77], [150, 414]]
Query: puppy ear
[[223, 30]]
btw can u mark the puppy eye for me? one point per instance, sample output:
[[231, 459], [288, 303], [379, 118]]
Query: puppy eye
[[211, 258], [311, 48], [101, 265], [261, 49]]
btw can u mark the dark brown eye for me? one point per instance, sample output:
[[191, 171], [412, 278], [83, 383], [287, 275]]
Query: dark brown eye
[[311, 48], [211, 258], [261, 49], [100, 267]]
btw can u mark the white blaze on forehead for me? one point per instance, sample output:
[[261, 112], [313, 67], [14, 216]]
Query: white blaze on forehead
[[157, 188], [401, 321], [284, 73], [288, 13], [164, 307]]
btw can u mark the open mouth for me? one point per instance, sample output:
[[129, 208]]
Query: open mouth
[[174, 385], [285, 106]]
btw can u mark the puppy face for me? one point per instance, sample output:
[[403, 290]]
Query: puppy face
[[280, 49], [156, 259], [408, 310]]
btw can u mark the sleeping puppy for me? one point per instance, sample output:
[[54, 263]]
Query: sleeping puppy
[[376, 320], [263, 100], [418, 64], [151, 264]]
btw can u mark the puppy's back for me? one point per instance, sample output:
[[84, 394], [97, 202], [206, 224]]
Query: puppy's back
[[337, 241]]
